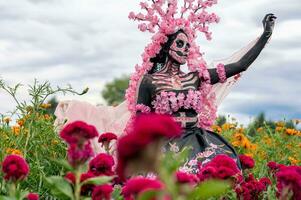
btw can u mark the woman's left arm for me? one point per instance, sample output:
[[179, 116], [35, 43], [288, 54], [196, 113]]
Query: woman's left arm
[[219, 75]]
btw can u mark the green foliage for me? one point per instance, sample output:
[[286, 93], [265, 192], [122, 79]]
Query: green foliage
[[114, 91], [34, 135], [220, 120]]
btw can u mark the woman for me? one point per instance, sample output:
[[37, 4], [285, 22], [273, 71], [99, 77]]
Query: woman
[[165, 79]]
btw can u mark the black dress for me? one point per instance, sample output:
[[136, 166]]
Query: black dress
[[205, 144]]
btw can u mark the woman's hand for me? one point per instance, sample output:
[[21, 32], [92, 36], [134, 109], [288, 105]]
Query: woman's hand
[[268, 23]]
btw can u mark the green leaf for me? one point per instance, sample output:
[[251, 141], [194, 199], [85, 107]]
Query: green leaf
[[210, 188], [60, 187], [7, 198], [116, 194], [23, 194], [64, 164], [100, 180], [147, 195]]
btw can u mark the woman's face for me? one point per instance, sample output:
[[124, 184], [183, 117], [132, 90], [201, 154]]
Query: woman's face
[[179, 49]]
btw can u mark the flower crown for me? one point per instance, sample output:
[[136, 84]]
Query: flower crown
[[166, 17], [163, 17]]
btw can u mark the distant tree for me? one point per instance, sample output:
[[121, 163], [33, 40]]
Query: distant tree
[[220, 120], [114, 91], [53, 102]]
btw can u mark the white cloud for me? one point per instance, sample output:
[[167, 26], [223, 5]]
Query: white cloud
[[87, 43]]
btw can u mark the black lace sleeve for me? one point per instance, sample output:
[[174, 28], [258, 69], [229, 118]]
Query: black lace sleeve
[[243, 64], [144, 94]]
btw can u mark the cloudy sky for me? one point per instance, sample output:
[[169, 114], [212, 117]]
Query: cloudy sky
[[87, 43]]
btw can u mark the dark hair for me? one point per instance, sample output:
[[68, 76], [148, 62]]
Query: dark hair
[[160, 59]]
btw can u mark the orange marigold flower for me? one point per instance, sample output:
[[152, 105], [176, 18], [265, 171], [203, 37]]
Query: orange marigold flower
[[291, 131], [45, 105], [267, 140], [228, 126], [216, 128], [16, 130], [253, 146], [293, 160], [21, 122], [280, 124], [54, 142], [13, 151], [6, 120], [249, 154], [260, 129], [47, 117], [279, 129]]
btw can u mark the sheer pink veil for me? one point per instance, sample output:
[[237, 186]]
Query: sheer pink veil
[[221, 90], [114, 119]]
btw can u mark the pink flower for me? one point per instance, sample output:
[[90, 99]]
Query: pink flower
[[107, 137], [102, 192], [132, 15], [78, 132], [246, 161], [78, 156], [102, 164], [135, 186], [14, 168], [142, 27], [183, 177], [32, 196]]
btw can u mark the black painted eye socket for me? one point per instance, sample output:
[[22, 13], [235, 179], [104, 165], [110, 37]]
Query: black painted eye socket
[[180, 43], [187, 45]]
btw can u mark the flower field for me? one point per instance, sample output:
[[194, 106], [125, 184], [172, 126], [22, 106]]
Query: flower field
[[37, 162]]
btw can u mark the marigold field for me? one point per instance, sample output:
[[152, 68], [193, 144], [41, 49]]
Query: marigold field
[[30, 132]]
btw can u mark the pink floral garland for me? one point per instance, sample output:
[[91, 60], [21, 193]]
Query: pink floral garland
[[220, 69], [166, 22], [143, 108]]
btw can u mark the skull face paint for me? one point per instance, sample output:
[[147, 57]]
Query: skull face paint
[[179, 49]]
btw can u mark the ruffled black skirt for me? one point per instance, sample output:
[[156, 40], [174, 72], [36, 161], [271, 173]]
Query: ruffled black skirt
[[204, 145]]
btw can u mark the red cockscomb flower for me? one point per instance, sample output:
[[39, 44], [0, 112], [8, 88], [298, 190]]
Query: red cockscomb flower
[[246, 162], [147, 129], [274, 166], [78, 132], [220, 167], [78, 156], [102, 192], [32, 196], [252, 189], [183, 177], [107, 137], [289, 179], [15, 168], [137, 185], [102, 164], [154, 125]]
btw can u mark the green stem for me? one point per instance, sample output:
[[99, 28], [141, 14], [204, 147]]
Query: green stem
[[77, 186], [12, 189]]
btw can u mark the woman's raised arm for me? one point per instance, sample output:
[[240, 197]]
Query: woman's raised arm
[[218, 75]]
